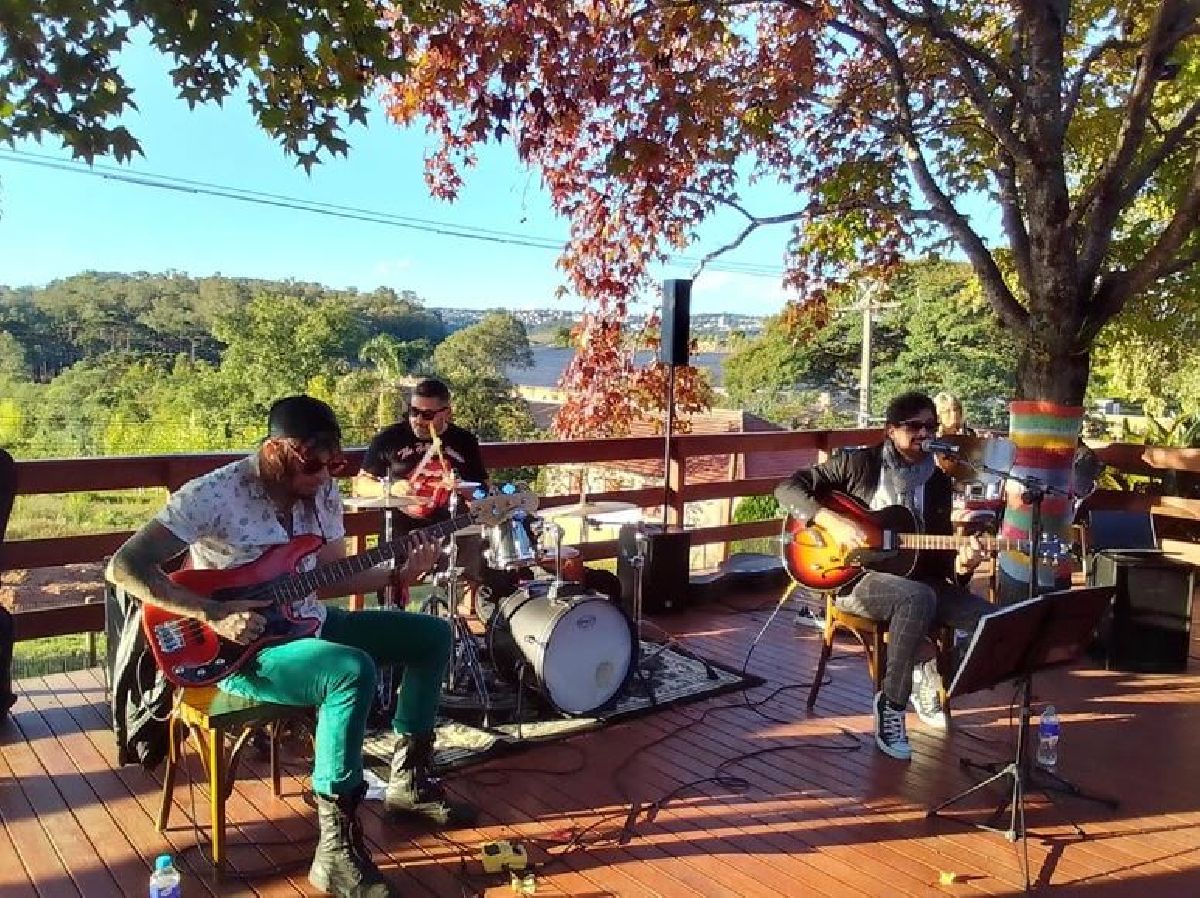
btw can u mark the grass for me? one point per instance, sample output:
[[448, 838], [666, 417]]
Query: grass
[[71, 514], [57, 654]]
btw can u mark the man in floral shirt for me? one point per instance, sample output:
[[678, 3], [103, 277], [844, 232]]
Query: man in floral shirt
[[230, 517]]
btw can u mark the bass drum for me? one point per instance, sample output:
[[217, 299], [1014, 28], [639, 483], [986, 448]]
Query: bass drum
[[578, 650]]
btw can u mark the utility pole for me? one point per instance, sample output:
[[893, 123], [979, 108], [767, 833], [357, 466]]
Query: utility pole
[[868, 305]]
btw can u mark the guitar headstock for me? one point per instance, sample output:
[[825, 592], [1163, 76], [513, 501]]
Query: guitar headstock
[[498, 507]]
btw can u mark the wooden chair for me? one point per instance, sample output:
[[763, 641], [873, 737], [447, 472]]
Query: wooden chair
[[218, 721], [873, 636]]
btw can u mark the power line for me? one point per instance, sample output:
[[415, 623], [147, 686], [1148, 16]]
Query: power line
[[352, 213]]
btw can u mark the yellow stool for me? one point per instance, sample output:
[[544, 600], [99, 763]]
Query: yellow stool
[[217, 720]]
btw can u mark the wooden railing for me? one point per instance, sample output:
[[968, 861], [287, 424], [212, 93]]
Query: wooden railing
[[103, 474]]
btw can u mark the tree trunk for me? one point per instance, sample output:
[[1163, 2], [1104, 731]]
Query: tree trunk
[[1054, 370]]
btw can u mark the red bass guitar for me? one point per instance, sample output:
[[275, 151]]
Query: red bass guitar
[[190, 653], [816, 560]]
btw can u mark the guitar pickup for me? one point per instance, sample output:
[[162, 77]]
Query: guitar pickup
[[888, 543]]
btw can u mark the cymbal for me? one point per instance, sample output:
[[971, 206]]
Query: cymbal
[[366, 485], [585, 509], [358, 502], [975, 455]]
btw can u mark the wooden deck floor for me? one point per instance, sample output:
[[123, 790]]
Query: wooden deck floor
[[815, 818]]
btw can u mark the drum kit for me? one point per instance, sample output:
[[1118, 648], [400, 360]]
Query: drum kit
[[978, 466], [576, 649]]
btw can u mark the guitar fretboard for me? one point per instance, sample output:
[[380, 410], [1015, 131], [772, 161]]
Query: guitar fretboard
[[936, 541], [297, 586]]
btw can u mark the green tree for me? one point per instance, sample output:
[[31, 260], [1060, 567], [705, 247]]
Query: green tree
[[391, 360], [13, 365], [561, 337], [275, 345], [1075, 123], [493, 345], [950, 339], [308, 67]]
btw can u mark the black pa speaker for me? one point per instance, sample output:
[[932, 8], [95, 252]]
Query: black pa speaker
[[1149, 628], [664, 569], [676, 319]]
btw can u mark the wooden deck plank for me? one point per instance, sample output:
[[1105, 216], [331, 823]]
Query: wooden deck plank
[[32, 760], [812, 821], [145, 791]]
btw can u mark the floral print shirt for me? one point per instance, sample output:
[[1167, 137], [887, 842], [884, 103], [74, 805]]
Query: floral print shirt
[[227, 519]]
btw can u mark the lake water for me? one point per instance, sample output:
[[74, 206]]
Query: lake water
[[549, 362]]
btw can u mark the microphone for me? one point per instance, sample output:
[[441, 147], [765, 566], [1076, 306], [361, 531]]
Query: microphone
[[945, 447]]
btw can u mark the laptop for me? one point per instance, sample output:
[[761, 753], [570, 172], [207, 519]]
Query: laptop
[[1123, 532]]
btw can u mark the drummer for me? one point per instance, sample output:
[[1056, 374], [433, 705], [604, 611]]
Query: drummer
[[407, 452]]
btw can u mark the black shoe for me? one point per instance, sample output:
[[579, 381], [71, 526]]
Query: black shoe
[[342, 864], [890, 734], [412, 790]]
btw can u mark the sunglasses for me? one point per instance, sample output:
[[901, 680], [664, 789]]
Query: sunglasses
[[311, 462], [426, 414], [916, 425]]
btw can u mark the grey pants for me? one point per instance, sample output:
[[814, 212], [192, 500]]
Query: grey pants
[[910, 608]]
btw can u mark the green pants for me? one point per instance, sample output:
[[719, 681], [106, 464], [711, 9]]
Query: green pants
[[335, 673]]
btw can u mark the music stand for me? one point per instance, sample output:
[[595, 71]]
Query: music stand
[[1012, 644]]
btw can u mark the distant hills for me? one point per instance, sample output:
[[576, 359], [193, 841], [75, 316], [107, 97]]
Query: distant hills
[[549, 319]]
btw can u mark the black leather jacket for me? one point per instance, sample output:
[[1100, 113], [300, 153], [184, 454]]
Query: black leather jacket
[[139, 694]]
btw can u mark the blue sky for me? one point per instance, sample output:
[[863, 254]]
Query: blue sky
[[56, 223]]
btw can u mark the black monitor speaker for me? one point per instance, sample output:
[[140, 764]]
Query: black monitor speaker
[[676, 319], [1121, 529], [1149, 628], [664, 569]]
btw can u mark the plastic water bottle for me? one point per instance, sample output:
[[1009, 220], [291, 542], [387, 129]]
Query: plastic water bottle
[[165, 880], [1048, 733]]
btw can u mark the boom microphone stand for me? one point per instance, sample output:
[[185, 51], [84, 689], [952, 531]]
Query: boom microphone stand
[[1044, 551]]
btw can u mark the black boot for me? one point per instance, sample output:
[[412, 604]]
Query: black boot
[[342, 865], [413, 791]]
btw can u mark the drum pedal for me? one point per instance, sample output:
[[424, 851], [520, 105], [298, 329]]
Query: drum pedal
[[503, 855]]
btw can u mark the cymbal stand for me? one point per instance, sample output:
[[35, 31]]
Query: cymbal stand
[[464, 654], [560, 587], [385, 687], [648, 661], [641, 662]]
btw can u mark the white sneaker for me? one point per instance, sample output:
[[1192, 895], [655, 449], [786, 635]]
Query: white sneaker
[[926, 697], [890, 734]]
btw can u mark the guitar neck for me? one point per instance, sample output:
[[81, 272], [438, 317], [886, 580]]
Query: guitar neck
[[932, 542], [299, 585]]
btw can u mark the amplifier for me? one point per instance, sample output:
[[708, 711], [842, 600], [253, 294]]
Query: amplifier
[[1149, 628], [664, 570]]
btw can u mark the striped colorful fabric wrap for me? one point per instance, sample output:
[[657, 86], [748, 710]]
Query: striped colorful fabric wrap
[[1045, 435]]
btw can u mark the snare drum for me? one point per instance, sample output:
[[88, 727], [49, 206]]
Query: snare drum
[[572, 564], [468, 544]]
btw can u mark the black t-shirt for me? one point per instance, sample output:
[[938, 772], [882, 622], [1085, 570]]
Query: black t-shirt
[[398, 450]]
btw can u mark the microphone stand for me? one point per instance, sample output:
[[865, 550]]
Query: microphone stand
[[1034, 492]]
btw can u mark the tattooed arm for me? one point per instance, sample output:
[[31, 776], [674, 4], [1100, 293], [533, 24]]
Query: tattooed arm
[[138, 569]]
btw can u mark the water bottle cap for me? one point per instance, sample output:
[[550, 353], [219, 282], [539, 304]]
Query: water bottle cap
[[163, 862]]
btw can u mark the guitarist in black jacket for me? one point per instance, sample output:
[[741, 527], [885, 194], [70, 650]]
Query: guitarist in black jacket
[[897, 472]]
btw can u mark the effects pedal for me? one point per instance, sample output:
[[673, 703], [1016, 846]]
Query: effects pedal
[[503, 855]]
